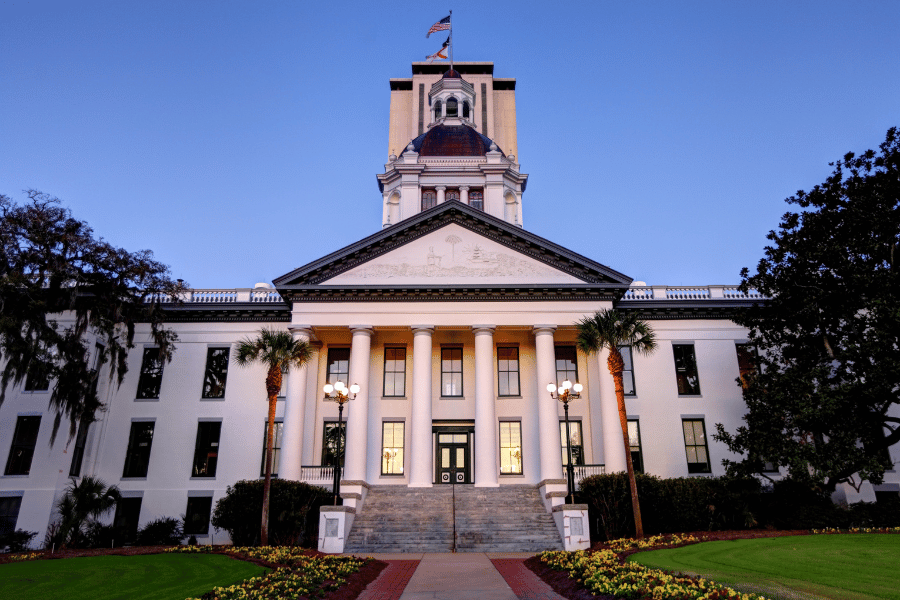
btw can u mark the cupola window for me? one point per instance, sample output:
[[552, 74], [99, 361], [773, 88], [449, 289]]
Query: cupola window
[[429, 199], [476, 199], [437, 110], [452, 107], [452, 195], [465, 110]]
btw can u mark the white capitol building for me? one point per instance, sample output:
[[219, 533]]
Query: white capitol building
[[452, 319]]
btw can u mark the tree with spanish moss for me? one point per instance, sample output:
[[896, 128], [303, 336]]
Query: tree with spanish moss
[[278, 352], [824, 404], [610, 329]]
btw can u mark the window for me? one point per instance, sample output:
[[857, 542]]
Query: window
[[566, 365], [577, 446], [150, 380], [429, 199], [686, 370], [139, 443], [331, 437], [438, 113], [392, 448], [695, 446], [452, 195], [9, 513], [338, 365], [128, 514], [451, 372], [746, 362], [465, 110], [206, 449], [452, 107], [511, 447], [508, 371], [476, 199], [276, 448], [22, 449], [196, 517], [395, 372], [38, 378], [78, 450], [627, 371], [216, 373], [634, 441]]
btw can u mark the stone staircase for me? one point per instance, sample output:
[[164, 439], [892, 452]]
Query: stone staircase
[[505, 519]]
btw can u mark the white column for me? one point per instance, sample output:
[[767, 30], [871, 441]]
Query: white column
[[464, 194], [358, 417], [613, 443], [441, 189], [485, 415], [294, 409], [421, 452], [548, 411]]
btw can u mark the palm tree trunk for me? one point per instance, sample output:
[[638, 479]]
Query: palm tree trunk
[[270, 441], [616, 366]]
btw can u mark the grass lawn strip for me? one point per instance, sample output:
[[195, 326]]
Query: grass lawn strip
[[147, 577], [851, 567]]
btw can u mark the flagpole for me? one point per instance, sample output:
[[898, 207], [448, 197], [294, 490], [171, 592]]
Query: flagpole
[[451, 40]]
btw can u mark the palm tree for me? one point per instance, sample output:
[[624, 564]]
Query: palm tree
[[610, 329], [278, 352], [87, 499]]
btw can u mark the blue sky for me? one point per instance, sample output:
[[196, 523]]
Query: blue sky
[[240, 140]]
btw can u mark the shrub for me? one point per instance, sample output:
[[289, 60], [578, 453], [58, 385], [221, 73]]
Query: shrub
[[98, 535], [293, 512], [16, 541], [165, 531]]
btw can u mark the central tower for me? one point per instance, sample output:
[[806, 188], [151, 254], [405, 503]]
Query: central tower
[[455, 143]]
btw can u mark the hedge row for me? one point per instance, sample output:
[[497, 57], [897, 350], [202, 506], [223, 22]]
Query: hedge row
[[717, 503]]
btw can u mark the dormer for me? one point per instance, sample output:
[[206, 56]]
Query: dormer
[[452, 97]]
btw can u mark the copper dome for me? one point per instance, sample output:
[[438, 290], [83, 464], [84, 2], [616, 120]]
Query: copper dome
[[446, 140]]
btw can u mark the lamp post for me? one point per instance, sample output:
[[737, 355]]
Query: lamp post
[[340, 394], [564, 394]]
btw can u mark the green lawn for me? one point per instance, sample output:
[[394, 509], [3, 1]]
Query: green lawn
[[839, 567], [146, 577]]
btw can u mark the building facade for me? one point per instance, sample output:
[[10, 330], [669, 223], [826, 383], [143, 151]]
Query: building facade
[[452, 318]]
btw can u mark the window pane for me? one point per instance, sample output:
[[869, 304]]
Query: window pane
[[196, 518], [334, 437], [695, 447], [451, 372], [216, 373], [392, 449], [566, 364], [140, 442], [686, 369], [394, 371], [338, 365], [688, 432], [628, 371], [78, 450], [206, 449], [276, 448], [508, 371], [150, 380], [9, 513], [128, 513], [510, 447], [575, 437]]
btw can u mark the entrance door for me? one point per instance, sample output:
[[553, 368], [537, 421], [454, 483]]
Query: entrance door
[[453, 457]]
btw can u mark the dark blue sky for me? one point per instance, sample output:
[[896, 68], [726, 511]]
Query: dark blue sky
[[240, 140]]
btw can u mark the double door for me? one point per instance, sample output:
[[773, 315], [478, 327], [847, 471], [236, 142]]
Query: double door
[[454, 456]]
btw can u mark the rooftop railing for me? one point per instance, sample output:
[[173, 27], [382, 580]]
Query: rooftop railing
[[692, 293], [255, 295]]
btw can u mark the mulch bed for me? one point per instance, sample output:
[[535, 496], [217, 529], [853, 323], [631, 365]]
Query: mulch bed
[[563, 585]]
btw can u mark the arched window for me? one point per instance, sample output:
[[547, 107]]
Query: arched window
[[437, 110], [452, 107], [452, 195], [476, 199], [429, 199], [465, 110]]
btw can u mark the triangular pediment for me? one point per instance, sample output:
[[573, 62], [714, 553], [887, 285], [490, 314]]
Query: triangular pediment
[[451, 247]]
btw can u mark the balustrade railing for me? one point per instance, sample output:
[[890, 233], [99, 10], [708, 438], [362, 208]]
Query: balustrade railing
[[317, 474], [684, 293], [255, 295], [582, 471]]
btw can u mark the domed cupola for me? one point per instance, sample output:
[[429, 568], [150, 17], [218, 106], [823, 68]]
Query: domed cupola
[[452, 97], [452, 140]]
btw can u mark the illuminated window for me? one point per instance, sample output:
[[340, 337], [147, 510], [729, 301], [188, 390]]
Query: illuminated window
[[686, 370], [695, 446], [206, 449], [510, 447], [634, 442], [392, 448]]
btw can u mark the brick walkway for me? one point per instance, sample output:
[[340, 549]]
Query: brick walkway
[[391, 582], [524, 583]]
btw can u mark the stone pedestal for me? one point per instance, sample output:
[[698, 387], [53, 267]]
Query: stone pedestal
[[574, 527], [334, 527]]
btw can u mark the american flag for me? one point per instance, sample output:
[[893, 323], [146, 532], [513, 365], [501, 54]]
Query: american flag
[[442, 25]]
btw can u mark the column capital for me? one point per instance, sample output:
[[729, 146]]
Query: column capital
[[483, 329], [362, 330], [440, 188], [464, 188], [301, 331], [422, 329], [543, 329]]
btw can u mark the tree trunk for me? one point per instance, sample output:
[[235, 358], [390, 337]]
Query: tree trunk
[[616, 366], [270, 439]]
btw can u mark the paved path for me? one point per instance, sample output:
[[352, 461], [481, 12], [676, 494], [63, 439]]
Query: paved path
[[463, 576]]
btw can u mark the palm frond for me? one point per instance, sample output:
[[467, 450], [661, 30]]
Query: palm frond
[[611, 328]]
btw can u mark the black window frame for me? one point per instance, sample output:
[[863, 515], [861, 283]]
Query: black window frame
[[696, 466], [206, 449], [150, 380], [198, 510], [577, 449], [395, 374], [276, 446], [560, 360], [448, 373], [386, 459], [216, 367], [127, 519], [685, 368], [628, 371], [506, 375], [78, 449], [747, 363], [329, 448], [637, 456], [137, 460], [509, 448], [337, 356], [24, 441], [10, 506]]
